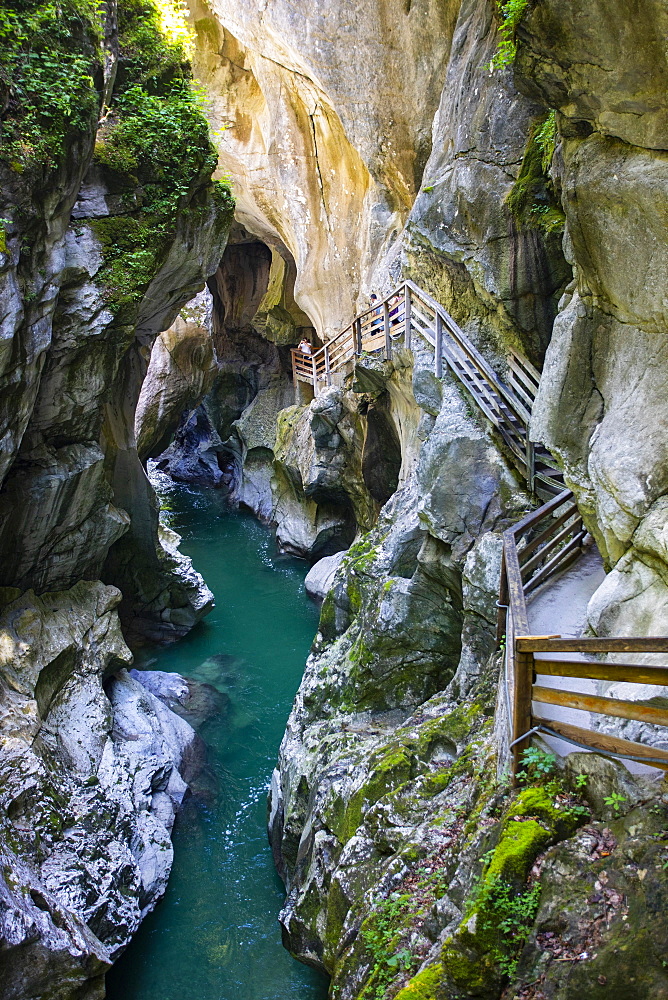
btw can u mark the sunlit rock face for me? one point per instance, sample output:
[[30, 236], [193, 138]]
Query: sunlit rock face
[[326, 112], [499, 279]]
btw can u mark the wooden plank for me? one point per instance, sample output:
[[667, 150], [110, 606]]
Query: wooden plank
[[515, 589], [525, 398], [635, 710], [407, 317], [602, 743], [529, 370], [585, 644], [554, 524], [528, 381], [502, 603], [549, 546], [556, 563], [521, 707], [438, 347], [630, 673], [534, 516]]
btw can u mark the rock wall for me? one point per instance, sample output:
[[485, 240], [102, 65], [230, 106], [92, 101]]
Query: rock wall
[[109, 224], [601, 399], [92, 770], [410, 869], [99, 254]]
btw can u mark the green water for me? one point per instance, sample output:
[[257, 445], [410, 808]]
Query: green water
[[215, 935]]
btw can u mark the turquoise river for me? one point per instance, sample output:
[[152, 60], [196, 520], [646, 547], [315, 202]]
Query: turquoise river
[[215, 935]]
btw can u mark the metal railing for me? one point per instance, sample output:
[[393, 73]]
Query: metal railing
[[539, 546], [409, 312]]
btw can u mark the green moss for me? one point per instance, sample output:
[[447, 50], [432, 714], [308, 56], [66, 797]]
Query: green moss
[[286, 421], [345, 818], [49, 57], [532, 200], [562, 820], [424, 986], [382, 933], [521, 843], [132, 247], [327, 623]]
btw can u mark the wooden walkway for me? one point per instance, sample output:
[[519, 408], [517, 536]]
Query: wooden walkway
[[536, 549], [403, 318]]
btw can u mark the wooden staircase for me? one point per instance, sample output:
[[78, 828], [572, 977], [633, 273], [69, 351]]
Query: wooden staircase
[[409, 313]]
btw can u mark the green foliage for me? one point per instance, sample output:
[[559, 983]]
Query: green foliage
[[153, 146], [49, 56], [615, 801], [507, 915], [539, 765], [132, 247], [545, 137], [533, 201], [511, 13], [381, 933], [154, 45], [162, 141]]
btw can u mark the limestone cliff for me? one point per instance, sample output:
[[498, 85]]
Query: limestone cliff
[[106, 233], [110, 223], [92, 772]]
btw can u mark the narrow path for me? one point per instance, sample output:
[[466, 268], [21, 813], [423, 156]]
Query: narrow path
[[215, 936]]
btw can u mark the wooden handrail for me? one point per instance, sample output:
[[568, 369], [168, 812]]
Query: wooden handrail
[[409, 310], [539, 546], [535, 549]]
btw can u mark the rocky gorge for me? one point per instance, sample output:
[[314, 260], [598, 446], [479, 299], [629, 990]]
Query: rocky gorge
[[510, 159]]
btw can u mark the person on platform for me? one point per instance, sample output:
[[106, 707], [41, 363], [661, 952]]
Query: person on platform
[[305, 347]]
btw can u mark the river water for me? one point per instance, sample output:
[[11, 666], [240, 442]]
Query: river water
[[215, 935]]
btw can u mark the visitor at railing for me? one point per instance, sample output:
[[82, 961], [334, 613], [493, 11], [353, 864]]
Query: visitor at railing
[[305, 347], [376, 315], [397, 315]]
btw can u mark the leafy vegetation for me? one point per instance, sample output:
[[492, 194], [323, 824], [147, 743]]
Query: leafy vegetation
[[511, 13], [49, 58], [537, 765], [533, 200], [380, 936], [508, 916], [615, 801], [153, 145]]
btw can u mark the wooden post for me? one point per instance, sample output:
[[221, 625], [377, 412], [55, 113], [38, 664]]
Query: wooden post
[[523, 683], [386, 328], [314, 369], [407, 317], [502, 605], [438, 359], [357, 327], [531, 461], [328, 374]]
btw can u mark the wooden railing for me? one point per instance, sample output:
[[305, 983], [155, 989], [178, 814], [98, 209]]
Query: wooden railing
[[409, 312], [535, 549]]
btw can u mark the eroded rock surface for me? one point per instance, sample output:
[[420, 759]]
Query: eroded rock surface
[[93, 768]]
